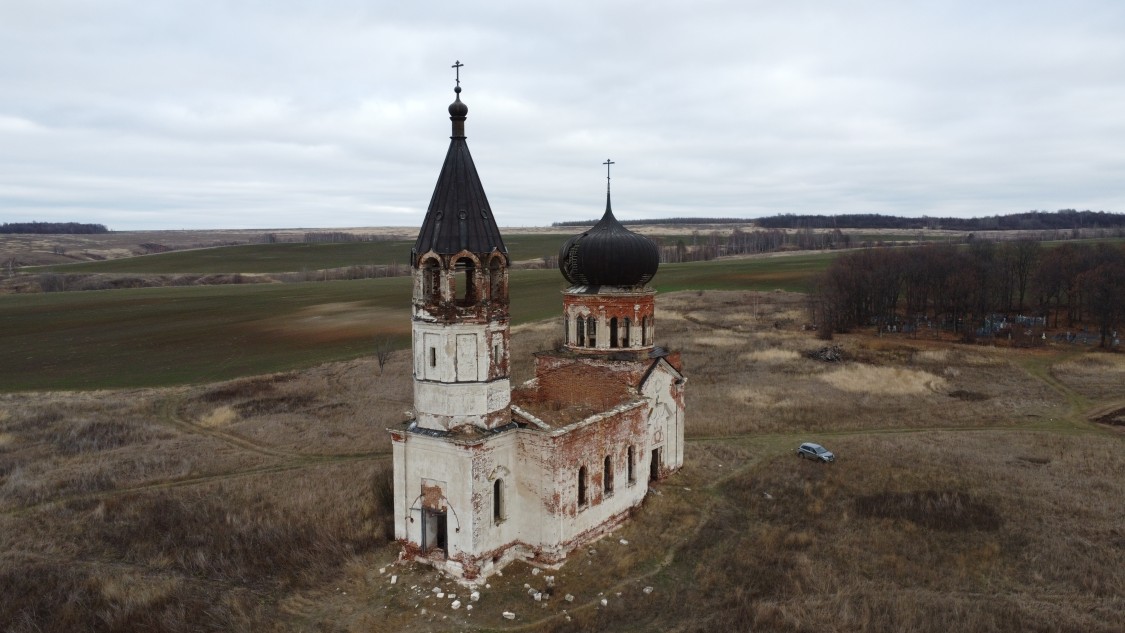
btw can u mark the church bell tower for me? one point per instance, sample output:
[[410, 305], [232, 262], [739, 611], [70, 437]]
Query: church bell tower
[[460, 306]]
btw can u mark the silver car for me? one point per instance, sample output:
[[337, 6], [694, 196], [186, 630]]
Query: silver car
[[808, 450]]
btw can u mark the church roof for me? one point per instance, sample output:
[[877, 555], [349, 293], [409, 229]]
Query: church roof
[[609, 254], [459, 217]]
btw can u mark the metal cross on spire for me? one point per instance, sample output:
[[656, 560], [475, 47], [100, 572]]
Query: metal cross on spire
[[457, 68], [607, 163]]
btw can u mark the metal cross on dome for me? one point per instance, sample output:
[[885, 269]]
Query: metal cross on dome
[[457, 68], [607, 164]]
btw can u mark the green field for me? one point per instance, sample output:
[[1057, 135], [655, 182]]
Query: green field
[[163, 336], [285, 257]]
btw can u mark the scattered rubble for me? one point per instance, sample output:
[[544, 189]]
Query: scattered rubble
[[569, 598], [647, 590], [508, 615], [456, 604]]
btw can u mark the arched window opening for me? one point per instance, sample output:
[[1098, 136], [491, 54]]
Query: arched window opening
[[580, 332], [495, 280], [644, 330], [582, 486], [498, 501], [613, 332], [465, 272], [591, 332], [632, 472], [431, 280], [607, 475], [625, 332], [566, 330]]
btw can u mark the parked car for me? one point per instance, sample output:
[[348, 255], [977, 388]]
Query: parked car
[[808, 450]]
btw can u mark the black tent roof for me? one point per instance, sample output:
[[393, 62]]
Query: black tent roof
[[459, 217]]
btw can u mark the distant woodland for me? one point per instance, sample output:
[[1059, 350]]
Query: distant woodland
[[1064, 219], [984, 288], [54, 228]]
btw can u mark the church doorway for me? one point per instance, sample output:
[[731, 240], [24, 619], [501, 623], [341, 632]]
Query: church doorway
[[654, 465], [433, 531]]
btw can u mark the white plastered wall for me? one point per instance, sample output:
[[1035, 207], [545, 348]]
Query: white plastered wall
[[452, 365]]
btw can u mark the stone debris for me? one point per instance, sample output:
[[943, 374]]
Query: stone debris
[[623, 542], [605, 602], [468, 607], [488, 586], [647, 590], [441, 594], [451, 596], [550, 581], [538, 595], [456, 604], [534, 571], [382, 570], [422, 612], [526, 586], [767, 495], [569, 598], [831, 354], [474, 596], [394, 580], [508, 615], [436, 590]]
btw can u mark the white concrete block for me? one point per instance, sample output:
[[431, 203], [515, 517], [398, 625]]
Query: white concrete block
[[456, 604], [508, 615]]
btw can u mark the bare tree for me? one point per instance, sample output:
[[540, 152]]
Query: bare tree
[[384, 346]]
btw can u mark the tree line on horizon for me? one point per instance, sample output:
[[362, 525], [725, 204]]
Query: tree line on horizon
[[1063, 219], [970, 289], [53, 228]]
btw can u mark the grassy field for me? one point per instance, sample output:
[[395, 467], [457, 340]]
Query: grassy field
[[294, 258], [162, 336], [971, 494], [285, 257]]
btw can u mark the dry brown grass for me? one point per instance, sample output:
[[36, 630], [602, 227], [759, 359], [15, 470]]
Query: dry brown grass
[[768, 385], [932, 532], [1095, 375], [263, 503], [885, 381]]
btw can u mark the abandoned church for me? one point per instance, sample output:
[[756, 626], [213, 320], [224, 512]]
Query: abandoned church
[[485, 474]]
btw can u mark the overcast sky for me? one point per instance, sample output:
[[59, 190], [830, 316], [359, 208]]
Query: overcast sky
[[147, 114]]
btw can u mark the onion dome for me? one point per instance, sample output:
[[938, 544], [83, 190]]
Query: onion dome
[[457, 108], [609, 255]]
